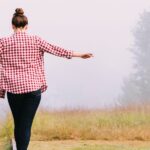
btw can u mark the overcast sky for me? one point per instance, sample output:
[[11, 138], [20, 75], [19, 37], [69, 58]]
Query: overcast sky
[[102, 27]]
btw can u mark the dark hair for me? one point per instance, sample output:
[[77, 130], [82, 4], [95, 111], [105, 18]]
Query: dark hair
[[19, 19]]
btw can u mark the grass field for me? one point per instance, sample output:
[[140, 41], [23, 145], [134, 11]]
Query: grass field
[[5, 144], [118, 124], [83, 145], [89, 145], [132, 123]]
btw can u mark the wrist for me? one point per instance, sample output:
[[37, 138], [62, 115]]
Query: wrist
[[77, 54]]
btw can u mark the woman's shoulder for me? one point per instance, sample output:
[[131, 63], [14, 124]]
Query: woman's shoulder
[[6, 38], [11, 38]]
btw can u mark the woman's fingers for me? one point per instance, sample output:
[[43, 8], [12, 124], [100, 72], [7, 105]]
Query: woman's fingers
[[87, 55]]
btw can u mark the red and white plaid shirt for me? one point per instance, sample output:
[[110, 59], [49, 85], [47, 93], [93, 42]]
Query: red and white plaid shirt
[[22, 62]]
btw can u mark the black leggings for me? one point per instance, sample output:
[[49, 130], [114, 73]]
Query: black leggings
[[23, 107]]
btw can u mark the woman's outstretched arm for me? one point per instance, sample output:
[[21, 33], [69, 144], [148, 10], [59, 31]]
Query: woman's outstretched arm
[[61, 52], [82, 55]]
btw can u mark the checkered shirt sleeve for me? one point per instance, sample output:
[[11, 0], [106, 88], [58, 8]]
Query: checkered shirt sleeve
[[2, 92], [53, 49]]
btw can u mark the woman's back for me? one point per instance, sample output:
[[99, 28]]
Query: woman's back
[[20, 51], [22, 60]]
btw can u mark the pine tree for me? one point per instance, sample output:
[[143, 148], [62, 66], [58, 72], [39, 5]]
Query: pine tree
[[136, 89]]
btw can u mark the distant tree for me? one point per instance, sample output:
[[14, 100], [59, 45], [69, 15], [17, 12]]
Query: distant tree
[[136, 89]]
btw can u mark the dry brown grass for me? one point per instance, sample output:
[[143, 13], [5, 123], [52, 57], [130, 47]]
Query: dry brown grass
[[124, 123], [120, 123]]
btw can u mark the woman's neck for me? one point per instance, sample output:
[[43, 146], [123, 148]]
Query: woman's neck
[[19, 30]]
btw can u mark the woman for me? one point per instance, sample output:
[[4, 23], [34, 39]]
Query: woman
[[22, 74]]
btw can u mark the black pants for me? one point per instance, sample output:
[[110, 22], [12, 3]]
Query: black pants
[[23, 107]]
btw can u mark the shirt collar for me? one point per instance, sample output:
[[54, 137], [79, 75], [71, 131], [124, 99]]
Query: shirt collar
[[19, 33]]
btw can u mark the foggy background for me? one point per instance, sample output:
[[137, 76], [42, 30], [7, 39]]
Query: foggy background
[[101, 27]]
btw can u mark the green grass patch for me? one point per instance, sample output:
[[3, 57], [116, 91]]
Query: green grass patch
[[5, 145]]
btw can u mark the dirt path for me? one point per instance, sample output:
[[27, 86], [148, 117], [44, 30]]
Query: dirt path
[[70, 144]]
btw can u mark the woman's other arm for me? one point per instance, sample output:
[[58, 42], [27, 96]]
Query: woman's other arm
[[2, 92], [61, 52]]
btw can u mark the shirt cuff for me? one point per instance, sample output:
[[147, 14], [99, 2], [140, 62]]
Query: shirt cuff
[[2, 93], [70, 54]]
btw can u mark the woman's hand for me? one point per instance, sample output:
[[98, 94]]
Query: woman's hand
[[86, 55], [82, 55]]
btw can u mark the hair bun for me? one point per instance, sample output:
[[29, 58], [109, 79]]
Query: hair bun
[[19, 12]]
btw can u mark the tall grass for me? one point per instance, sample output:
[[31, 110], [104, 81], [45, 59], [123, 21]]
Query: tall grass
[[126, 123], [120, 123], [6, 133], [6, 128]]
